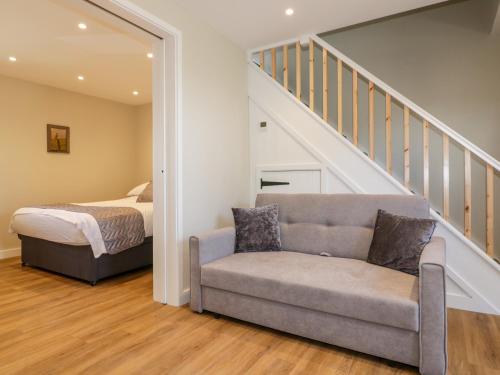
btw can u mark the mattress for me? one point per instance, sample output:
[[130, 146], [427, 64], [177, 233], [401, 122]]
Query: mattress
[[41, 224]]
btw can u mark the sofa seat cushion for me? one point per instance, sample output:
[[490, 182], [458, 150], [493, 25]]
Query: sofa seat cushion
[[341, 286]]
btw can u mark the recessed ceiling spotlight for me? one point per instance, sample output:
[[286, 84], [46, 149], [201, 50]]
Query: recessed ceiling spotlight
[[135, 93], [82, 26], [81, 78], [150, 55], [12, 58], [289, 11]]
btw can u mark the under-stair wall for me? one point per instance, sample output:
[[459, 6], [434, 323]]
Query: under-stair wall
[[294, 138]]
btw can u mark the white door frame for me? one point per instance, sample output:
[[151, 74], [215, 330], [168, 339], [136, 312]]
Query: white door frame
[[167, 142]]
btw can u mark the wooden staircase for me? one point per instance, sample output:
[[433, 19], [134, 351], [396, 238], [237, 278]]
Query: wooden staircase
[[285, 63]]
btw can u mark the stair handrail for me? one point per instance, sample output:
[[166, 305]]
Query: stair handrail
[[409, 103], [487, 158], [410, 107]]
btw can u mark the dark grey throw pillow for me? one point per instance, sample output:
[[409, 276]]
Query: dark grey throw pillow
[[398, 241], [257, 229]]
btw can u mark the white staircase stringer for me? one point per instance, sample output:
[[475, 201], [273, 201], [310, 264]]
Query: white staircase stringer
[[474, 274]]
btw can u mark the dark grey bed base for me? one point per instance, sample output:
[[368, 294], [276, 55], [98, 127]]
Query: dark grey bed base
[[79, 261]]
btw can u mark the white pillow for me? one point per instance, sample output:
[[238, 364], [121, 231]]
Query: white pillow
[[137, 190]]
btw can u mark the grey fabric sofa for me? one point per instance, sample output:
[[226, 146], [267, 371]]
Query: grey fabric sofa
[[342, 299]]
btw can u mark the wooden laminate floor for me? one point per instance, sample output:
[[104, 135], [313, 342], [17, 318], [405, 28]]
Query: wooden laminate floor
[[53, 325]]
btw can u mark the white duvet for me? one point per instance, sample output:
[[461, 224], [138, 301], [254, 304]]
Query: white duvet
[[73, 228]]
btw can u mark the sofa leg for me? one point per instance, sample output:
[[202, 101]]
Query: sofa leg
[[216, 316]]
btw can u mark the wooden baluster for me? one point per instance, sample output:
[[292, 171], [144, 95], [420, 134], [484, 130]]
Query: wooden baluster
[[468, 195], [446, 177], [388, 134], [261, 60], [311, 75], [490, 211], [325, 84], [285, 67], [406, 146], [371, 118], [425, 137], [339, 96], [355, 107], [298, 71], [273, 63]]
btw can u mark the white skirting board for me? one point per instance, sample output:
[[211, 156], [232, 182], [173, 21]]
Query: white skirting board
[[10, 253], [185, 296]]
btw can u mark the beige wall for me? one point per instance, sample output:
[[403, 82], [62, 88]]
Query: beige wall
[[215, 147], [144, 143], [103, 160]]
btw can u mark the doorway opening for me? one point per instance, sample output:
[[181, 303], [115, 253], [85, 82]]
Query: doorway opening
[[161, 110], [167, 142]]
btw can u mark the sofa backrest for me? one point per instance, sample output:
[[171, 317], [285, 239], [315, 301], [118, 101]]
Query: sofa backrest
[[339, 224]]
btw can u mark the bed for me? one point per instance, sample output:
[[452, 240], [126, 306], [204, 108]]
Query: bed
[[70, 243]]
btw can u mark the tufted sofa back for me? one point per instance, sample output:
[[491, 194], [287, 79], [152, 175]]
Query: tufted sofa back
[[339, 224]]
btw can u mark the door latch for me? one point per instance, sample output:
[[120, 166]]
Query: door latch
[[271, 183]]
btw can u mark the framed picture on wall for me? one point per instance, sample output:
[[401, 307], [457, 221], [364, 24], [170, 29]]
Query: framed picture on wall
[[57, 138]]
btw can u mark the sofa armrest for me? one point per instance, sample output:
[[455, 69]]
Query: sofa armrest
[[205, 249], [432, 300]]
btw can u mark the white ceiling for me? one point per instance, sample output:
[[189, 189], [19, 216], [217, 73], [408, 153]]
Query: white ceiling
[[50, 49], [255, 23]]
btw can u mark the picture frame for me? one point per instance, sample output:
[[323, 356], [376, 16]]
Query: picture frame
[[58, 138]]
